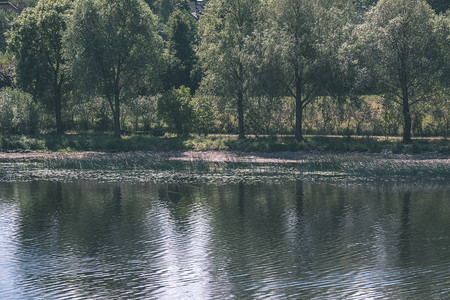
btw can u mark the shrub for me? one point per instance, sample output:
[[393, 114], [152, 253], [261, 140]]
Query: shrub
[[175, 108], [18, 113], [205, 115], [143, 112]]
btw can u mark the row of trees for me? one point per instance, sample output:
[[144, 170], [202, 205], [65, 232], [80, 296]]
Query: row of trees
[[306, 49], [240, 51]]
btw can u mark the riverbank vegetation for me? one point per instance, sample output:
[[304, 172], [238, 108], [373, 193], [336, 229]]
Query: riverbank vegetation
[[223, 167], [253, 75], [171, 142]]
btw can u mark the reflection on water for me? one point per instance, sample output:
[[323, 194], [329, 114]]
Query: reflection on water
[[295, 240]]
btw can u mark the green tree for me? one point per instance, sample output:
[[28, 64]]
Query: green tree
[[205, 115], [19, 114], [113, 49], [224, 31], [442, 35], [175, 108], [398, 47], [439, 6], [165, 8], [6, 18], [35, 40], [180, 45], [299, 43]]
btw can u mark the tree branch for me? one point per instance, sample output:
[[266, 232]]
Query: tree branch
[[308, 99]]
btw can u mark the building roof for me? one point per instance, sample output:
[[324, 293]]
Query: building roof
[[8, 5]]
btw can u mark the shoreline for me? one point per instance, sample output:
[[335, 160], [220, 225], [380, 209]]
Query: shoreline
[[224, 167], [220, 156]]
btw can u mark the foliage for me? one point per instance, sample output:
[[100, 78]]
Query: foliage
[[365, 68], [225, 31], [89, 114], [143, 112], [18, 113], [442, 43], [7, 75], [205, 115], [113, 49], [180, 45], [439, 6], [175, 108], [298, 45], [399, 49], [36, 41], [315, 144], [165, 8], [6, 18]]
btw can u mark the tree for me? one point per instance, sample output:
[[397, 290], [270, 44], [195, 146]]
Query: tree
[[439, 6], [6, 18], [298, 44], [180, 45], [113, 49], [205, 115], [442, 36], [398, 47], [165, 8], [176, 109], [224, 31], [19, 114], [35, 40]]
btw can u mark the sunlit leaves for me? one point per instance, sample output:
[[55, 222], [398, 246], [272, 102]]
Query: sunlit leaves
[[399, 46], [113, 49], [36, 39]]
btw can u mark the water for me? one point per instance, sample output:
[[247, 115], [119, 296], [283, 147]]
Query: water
[[299, 240]]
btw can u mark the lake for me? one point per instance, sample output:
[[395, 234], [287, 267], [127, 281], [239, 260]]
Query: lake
[[293, 239]]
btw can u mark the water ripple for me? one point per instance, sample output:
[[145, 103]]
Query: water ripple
[[85, 240]]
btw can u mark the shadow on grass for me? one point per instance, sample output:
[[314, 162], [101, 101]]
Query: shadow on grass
[[267, 144]]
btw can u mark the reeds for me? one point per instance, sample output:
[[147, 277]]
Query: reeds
[[160, 167]]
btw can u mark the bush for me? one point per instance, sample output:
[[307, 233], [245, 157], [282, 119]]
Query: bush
[[175, 108], [205, 115], [143, 112], [18, 113]]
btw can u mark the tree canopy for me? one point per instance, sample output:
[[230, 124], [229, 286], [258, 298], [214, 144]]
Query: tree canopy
[[224, 31], [398, 41], [113, 49], [180, 45], [35, 39], [249, 66]]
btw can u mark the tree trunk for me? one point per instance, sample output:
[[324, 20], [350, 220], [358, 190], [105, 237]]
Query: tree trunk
[[298, 107], [406, 116], [298, 118], [116, 113], [240, 100], [58, 109]]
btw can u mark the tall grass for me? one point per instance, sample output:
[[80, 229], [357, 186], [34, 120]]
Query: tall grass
[[151, 167]]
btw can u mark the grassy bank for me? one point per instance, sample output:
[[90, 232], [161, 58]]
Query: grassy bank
[[109, 143], [231, 167]]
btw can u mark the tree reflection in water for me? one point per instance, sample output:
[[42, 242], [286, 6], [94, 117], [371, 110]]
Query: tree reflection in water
[[297, 239]]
